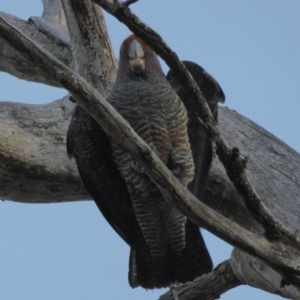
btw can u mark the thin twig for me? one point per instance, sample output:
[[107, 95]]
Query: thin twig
[[129, 2]]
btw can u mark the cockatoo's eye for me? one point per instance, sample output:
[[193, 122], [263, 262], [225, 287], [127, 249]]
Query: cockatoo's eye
[[141, 58]]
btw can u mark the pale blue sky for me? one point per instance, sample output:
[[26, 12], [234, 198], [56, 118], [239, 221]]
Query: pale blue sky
[[67, 251]]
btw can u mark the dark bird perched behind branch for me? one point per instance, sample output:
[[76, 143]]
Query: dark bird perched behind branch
[[165, 248], [200, 144]]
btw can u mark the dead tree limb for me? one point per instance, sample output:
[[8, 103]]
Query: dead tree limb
[[208, 287], [91, 48], [15, 64]]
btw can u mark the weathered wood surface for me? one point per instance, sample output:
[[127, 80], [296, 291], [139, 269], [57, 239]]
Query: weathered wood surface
[[34, 167], [208, 287], [50, 31], [255, 272]]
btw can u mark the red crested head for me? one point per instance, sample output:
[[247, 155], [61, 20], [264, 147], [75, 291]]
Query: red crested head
[[137, 58], [128, 41]]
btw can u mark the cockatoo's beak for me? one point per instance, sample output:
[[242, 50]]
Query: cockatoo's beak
[[136, 57]]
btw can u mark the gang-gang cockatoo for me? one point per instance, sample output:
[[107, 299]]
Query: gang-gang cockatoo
[[166, 248]]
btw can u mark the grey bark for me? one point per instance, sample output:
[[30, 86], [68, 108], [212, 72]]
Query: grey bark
[[207, 287], [33, 164], [91, 48], [31, 134], [42, 30], [257, 273]]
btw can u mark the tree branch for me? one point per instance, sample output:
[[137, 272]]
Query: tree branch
[[209, 286], [233, 163], [90, 44], [87, 97], [15, 64], [53, 13], [53, 22], [257, 273], [33, 163]]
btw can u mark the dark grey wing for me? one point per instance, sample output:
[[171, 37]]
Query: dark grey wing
[[210, 88], [90, 146], [200, 145]]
